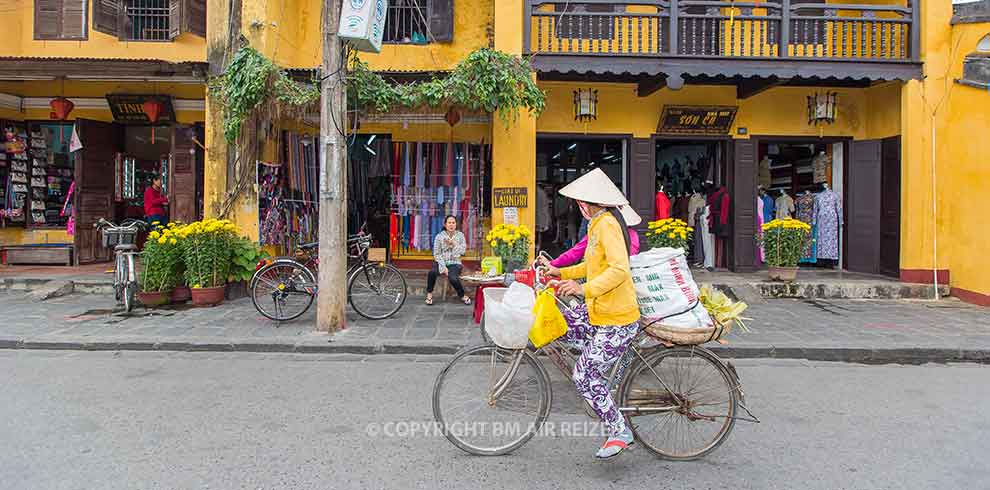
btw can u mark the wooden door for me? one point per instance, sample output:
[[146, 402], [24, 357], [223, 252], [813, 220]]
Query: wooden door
[[890, 207], [864, 206], [742, 213], [182, 184], [642, 179], [94, 187]]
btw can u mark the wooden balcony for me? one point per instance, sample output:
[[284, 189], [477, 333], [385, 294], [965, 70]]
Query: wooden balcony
[[779, 38]]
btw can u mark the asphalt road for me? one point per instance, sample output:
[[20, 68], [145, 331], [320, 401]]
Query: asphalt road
[[78, 420]]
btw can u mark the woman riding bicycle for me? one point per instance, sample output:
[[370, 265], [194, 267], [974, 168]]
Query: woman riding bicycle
[[612, 319]]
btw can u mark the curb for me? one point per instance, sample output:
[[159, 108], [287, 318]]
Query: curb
[[920, 355]]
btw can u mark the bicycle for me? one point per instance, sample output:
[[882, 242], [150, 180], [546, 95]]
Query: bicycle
[[688, 393], [376, 290], [122, 238]]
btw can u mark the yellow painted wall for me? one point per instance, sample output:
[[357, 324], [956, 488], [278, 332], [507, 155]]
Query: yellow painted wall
[[19, 41], [19, 236]]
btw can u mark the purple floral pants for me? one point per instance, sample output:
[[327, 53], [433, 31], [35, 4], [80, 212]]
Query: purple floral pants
[[601, 347]]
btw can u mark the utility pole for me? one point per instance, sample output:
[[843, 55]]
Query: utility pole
[[332, 295]]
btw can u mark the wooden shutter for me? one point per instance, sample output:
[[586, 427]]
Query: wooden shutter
[[743, 206], [174, 18], [890, 207], [47, 17], [194, 17], [94, 187], [642, 178], [441, 16], [182, 190], [73, 19], [106, 14], [863, 193]]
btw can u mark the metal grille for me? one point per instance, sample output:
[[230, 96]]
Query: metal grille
[[406, 23], [146, 20]]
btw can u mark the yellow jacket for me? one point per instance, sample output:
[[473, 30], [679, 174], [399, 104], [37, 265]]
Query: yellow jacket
[[609, 290]]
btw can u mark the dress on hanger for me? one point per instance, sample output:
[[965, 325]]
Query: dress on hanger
[[718, 221], [662, 206], [768, 208], [759, 228], [820, 166], [828, 215], [806, 212], [785, 206], [764, 173]]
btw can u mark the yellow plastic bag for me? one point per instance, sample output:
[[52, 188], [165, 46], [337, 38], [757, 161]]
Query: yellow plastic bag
[[549, 323]]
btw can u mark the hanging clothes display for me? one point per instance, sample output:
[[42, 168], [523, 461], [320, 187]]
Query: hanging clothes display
[[759, 228], [820, 167], [288, 193], [718, 220], [784, 205], [828, 215], [707, 237], [768, 207], [764, 173], [806, 209], [662, 204]]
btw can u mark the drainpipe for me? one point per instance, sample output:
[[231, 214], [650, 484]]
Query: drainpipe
[[934, 215]]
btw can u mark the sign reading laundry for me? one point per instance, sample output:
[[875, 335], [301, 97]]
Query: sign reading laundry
[[678, 119], [130, 108], [510, 197]]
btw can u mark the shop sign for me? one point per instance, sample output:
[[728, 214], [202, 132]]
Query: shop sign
[[705, 119], [504, 197], [129, 108], [510, 216]]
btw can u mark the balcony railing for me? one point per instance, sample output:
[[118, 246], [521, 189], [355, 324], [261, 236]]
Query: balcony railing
[[724, 29]]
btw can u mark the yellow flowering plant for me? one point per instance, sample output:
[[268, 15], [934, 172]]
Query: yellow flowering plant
[[161, 260], [670, 232], [207, 251], [783, 241], [511, 243]]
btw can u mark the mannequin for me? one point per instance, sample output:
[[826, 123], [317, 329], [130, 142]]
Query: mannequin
[[784, 205], [662, 203], [764, 175], [806, 212], [820, 167], [828, 217]]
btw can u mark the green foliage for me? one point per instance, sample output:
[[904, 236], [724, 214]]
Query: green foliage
[[252, 81], [486, 81], [161, 261], [783, 241], [245, 255], [207, 250]]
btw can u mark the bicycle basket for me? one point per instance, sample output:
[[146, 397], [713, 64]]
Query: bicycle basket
[[119, 236], [688, 335], [507, 325]]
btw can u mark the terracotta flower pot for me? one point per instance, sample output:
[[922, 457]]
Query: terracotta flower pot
[[181, 294], [207, 296], [785, 274], [152, 299]]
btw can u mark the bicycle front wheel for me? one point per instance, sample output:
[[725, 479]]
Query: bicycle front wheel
[[489, 401], [376, 291], [691, 418], [283, 290]]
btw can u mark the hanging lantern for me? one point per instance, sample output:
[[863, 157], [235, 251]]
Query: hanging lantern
[[61, 107], [453, 117], [153, 108], [821, 108], [585, 104]]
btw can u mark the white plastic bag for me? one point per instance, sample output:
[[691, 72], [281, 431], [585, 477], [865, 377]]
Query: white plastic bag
[[509, 315], [665, 289]]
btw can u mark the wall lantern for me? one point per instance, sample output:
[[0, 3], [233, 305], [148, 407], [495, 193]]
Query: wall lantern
[[153, 108], [821, 108], [585, 104], [453, 116], [61, 107]]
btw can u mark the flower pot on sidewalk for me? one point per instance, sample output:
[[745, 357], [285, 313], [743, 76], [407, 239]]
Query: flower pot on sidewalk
[[152, 299], [181, 294], [207, 296], [785, 274]]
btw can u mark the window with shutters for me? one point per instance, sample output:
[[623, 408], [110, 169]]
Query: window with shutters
[[60, 19], [147, 20], [419, 21]]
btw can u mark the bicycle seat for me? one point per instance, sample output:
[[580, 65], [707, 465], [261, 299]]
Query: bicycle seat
[[309, 246], [125, 247]]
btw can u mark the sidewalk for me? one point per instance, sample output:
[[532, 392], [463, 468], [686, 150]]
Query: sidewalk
[[869, 331]]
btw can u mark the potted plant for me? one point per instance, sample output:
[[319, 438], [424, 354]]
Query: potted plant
[[783, 243], [670, 232], [511, 244], [180, 293], [206, 252], [160, 260], [245, 256]]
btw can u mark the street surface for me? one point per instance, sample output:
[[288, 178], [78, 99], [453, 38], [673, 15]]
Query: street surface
[[177, 420]]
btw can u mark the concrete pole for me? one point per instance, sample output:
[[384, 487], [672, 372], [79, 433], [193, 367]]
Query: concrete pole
[[330, 302]]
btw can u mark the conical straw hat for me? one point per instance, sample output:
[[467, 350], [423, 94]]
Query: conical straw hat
[[630, 216], [595, 188]]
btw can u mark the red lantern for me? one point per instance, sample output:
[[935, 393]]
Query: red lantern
[[61, 107], [153, 108], [453, 117]]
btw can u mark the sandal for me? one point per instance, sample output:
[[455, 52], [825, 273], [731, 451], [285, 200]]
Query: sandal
[[615, 444], [429, 300], [466, 300]]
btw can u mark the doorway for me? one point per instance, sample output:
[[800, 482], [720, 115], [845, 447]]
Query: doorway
[[559, 161]]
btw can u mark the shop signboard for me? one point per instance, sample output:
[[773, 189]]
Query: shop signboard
[[505, 197], [705, 119], [129, 108], [362, 24]]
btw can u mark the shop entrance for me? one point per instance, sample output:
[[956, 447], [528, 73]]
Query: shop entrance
[[559, 161]]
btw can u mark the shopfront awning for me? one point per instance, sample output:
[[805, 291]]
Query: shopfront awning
[[98, 69]]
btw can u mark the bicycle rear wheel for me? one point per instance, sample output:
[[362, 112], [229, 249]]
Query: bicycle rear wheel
[[376, 291], [490, 401], [696, 425], [283, 290]]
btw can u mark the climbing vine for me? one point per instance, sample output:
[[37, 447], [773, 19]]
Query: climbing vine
[[486, 81]]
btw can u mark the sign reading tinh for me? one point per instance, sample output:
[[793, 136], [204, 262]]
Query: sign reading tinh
[[510, 197], [130, 109], [678, 119]]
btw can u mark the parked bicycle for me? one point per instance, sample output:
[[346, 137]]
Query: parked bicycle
[[284, 289], [123, 239], [681, 402]]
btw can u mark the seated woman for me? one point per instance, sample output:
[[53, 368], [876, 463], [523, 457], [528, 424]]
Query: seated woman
[[576, 253], [448, 247]]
